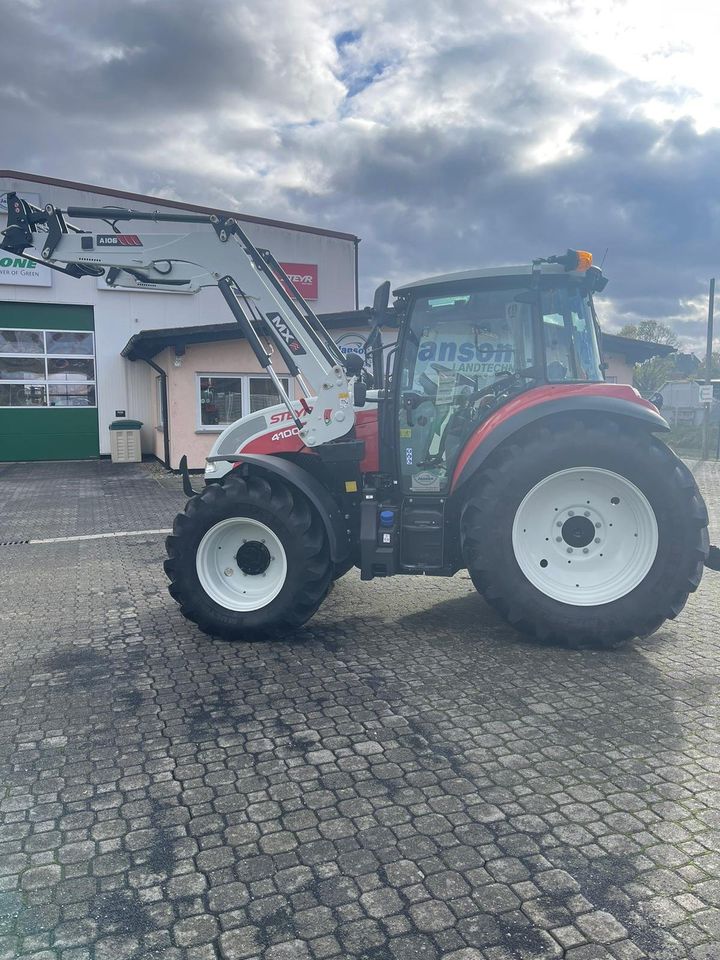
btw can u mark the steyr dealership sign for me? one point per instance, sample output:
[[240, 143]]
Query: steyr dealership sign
[[305, 278]]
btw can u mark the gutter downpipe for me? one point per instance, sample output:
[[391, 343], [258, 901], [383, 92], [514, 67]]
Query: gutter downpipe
[[164, 412]]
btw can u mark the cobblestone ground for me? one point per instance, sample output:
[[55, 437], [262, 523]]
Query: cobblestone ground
[[404, 779]]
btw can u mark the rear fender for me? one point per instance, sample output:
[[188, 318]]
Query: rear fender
[[609, 400], [264, 465]]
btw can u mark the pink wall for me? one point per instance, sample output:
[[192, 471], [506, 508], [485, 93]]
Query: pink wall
[[186, 434], [618, 367]]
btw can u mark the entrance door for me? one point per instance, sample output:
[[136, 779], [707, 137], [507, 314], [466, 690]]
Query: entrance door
[[48, 385]]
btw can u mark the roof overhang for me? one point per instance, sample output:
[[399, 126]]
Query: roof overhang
[[149, 343], [634, 351]]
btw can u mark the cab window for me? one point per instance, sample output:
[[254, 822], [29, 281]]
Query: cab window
[[571, 351]]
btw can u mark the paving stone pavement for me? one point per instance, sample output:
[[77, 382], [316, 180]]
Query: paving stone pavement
[[84, 497], [403, 779]]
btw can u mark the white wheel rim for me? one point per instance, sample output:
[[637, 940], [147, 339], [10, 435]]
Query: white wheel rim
[[558, 517], [241, 564]]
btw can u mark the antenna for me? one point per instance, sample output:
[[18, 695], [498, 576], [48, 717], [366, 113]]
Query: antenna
[[604, 255]]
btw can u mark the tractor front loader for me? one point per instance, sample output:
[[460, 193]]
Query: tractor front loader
[[486, 438]]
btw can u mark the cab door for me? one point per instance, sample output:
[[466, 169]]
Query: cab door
[[456, 345]]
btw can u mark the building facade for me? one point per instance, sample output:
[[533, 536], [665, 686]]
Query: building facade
[[622, 353], [63, 378]]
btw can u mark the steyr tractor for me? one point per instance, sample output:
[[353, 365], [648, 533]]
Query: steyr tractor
[[476, 433]]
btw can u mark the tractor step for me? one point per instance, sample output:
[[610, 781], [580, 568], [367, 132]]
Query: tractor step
[[423, 540]]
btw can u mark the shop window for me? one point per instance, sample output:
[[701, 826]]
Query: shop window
[[224, 398], [263, 393], [47, 368], [22, 368], [23, 395], [22, 341], [71, 395], [70, 369], [220, 400], [69, 344]]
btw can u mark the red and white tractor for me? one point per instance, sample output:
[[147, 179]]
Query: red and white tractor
[[483, 437]]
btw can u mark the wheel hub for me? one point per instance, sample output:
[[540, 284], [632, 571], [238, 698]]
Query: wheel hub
[[253, 558], [241, 564], [578, 531]]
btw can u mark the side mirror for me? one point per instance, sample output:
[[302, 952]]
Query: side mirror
[[380, 303], [359, 394]]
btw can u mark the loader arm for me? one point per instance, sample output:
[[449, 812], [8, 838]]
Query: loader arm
[[256, 289]]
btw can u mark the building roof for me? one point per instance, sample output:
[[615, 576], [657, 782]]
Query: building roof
[[634, 351], [175, 204], [148, 343]]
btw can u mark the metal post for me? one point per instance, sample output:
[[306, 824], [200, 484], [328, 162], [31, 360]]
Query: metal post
[[708, 369]]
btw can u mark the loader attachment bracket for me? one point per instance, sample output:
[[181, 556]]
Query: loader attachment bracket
[[186, 481]]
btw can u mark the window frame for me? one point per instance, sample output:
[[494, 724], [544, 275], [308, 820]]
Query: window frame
[[245, 378], [46, 381]]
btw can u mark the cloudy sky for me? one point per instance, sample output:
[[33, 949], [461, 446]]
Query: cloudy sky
[[445, 134]]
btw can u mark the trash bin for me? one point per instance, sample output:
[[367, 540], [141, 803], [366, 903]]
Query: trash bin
[[125, 441]]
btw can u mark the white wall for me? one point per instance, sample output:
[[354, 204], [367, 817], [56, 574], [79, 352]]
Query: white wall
[[119, 314]]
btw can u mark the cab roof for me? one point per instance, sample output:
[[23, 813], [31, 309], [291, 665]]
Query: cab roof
[[485, 273]]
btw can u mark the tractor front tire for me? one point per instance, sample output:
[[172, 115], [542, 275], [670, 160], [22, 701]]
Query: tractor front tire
[[586, 534], [248, 557]]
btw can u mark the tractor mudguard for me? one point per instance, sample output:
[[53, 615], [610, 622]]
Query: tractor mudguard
[[308, 485], [609, 399]]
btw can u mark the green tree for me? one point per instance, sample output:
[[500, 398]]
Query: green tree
[[714, 369], [649, 376], [651, 330]]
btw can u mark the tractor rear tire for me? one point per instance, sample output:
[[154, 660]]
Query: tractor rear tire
[[586, 534], [247, 557]]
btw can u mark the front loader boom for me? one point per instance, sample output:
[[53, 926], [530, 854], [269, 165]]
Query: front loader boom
[[257, 291]]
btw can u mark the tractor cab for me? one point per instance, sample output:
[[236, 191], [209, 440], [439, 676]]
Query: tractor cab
[[470, 342]]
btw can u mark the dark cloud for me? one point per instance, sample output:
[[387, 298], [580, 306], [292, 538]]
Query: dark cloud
[[137, 60], [445, 135]]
